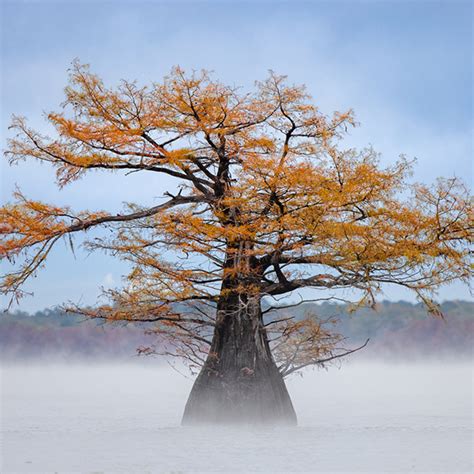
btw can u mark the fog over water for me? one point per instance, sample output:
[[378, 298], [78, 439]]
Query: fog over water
[[361, 417]]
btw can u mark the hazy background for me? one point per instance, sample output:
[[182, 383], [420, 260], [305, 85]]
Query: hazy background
[[399, 332], [405, 67]]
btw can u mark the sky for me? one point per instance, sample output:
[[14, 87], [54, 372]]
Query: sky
[[405, 67]]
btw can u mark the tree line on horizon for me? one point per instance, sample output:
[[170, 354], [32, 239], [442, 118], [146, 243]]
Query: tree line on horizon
[[397, 330]]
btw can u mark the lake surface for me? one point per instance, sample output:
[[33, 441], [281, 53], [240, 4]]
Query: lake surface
[[362, 417]]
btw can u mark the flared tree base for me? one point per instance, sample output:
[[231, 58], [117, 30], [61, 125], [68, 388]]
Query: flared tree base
[[247, 396]]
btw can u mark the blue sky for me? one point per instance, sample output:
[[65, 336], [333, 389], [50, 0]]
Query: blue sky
[[404, 67]]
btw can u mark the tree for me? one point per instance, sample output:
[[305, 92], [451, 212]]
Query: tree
[[267, 202]]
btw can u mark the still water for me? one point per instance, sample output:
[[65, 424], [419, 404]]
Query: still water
[[361, 417]]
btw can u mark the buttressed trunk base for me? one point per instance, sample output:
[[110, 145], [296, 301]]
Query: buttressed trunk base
[[239, 382]]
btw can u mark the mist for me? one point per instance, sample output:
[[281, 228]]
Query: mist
[[359, 417], [75, 397]]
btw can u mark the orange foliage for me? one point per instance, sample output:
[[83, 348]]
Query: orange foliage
[[270, 201]]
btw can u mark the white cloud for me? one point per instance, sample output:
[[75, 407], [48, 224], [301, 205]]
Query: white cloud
[[108, 281]]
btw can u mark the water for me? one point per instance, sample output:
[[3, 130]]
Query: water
[[125, 418]]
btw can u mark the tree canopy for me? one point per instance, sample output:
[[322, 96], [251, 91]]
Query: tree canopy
[[268, 201]]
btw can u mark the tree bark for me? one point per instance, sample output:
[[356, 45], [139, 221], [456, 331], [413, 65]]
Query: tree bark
[[239, 382]]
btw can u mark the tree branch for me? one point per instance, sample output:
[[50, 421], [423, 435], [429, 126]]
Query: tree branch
[[290, 370]]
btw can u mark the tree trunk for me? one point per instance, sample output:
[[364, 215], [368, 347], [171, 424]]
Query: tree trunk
[[239, 382]]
